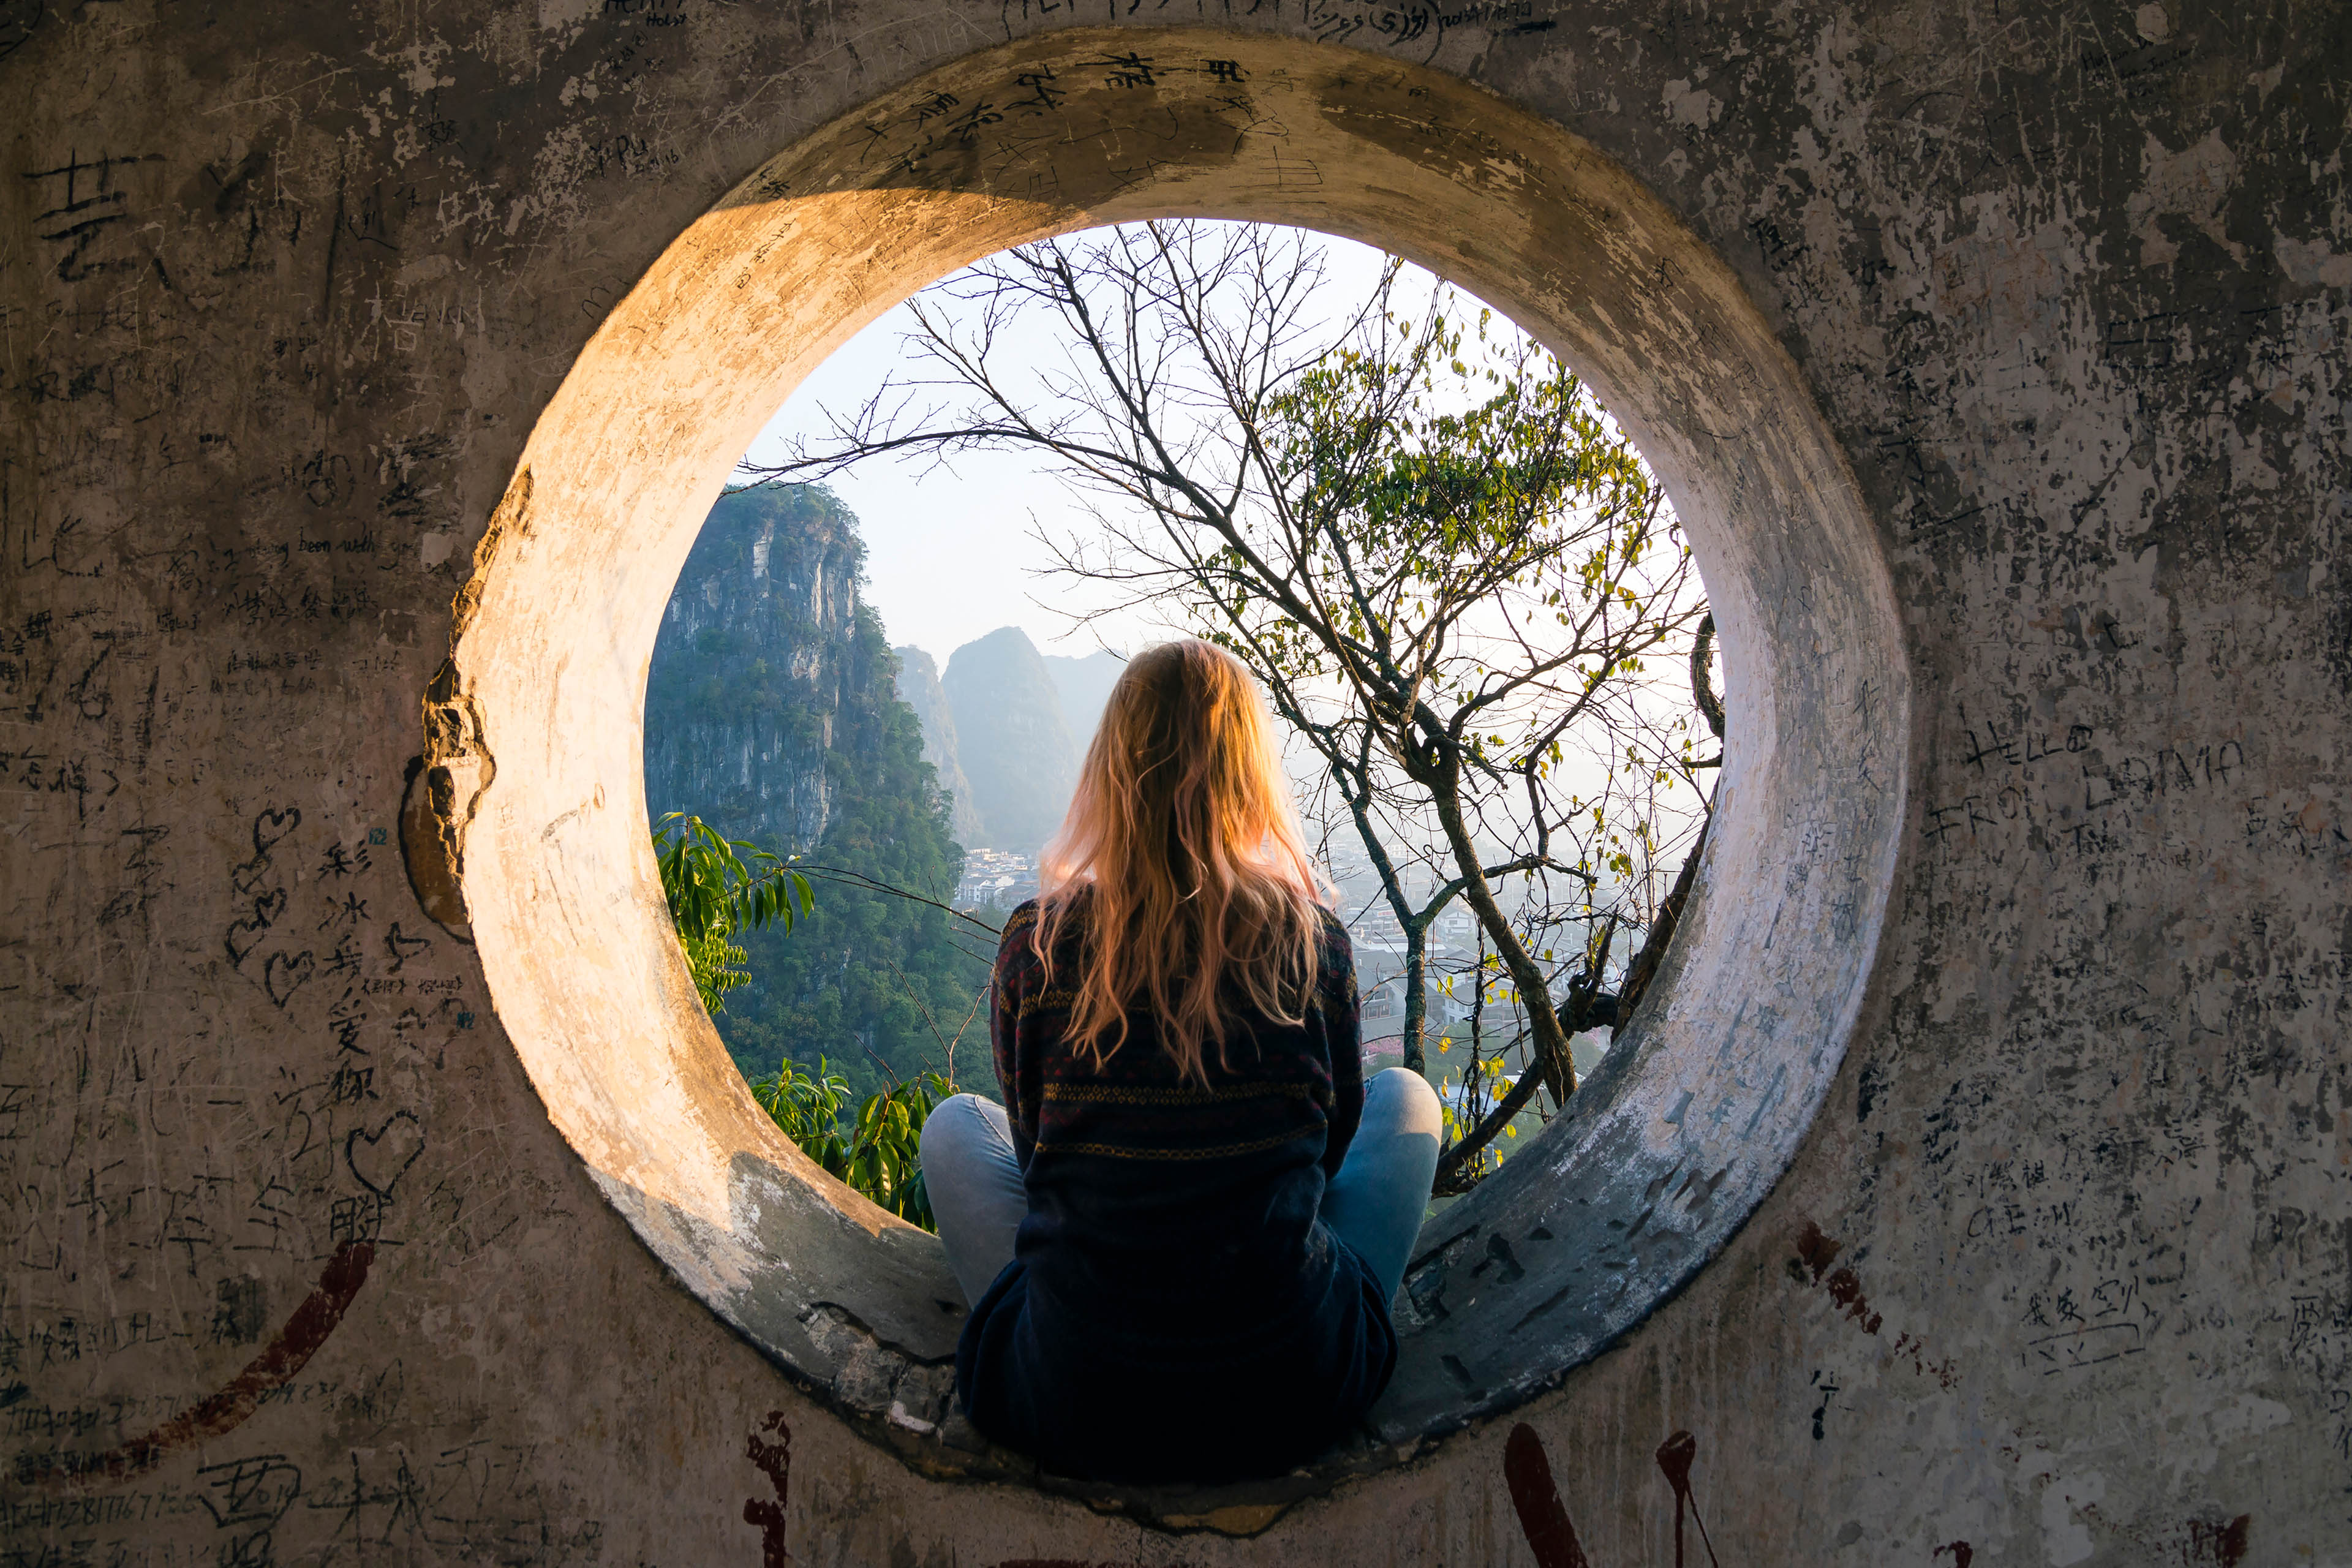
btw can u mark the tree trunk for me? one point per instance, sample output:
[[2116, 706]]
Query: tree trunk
[[1460, 1154], [1416, 994], [1549, 1056]]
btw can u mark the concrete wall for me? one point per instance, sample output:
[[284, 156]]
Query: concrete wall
[[317, 1182]]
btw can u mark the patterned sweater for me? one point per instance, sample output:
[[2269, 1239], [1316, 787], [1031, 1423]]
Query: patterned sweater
[[1287, 1084], [1175, 1309]]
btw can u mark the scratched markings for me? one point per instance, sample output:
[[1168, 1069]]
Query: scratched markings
[[279, 298]]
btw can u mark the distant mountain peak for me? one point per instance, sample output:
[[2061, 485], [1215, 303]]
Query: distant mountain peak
[[1012, 737], [1084, 681]]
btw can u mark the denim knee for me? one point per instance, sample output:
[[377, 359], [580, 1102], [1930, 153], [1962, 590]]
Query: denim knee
[[1406, 1100], [958, 1119]]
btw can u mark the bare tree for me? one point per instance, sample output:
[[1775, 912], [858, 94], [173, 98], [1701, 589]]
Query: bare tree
[[1418, 531]]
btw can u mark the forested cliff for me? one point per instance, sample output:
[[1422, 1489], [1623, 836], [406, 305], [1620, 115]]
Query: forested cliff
[[756, 664], [772, 711]]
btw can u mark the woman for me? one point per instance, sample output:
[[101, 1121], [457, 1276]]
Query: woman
[[1180, 1231]]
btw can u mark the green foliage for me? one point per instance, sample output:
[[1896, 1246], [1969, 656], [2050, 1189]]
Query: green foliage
[[808, 1105], [716, 886], [878, 1151], [1462, 537], [1462, 1108]]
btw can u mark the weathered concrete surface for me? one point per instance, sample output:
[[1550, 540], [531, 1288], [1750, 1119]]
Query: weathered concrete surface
[[1667, 1153], [309, 1255]]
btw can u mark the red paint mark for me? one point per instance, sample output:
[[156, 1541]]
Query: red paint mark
[[1527, 1470], [1675, 1457], [775, 1462], [224, 1412], [1962, 1553], [1845, 1290], [2223, 1544], [1815, 1251]]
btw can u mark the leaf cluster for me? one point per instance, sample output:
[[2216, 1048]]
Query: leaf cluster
[[716, 885], [877, 1151]]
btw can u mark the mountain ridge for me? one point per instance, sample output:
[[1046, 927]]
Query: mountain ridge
[[918, 688], [1084, 681], [1012, 737]]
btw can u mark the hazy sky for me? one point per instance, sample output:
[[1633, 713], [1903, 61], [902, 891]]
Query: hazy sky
[[952, 556]]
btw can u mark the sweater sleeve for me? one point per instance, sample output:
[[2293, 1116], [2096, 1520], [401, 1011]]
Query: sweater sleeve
[[1010, 1037], [1344, 1031]]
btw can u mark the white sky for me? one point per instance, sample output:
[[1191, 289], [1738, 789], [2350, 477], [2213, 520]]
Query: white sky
[[952, 556]]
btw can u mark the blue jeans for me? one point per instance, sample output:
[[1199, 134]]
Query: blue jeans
[[1375, 1204]]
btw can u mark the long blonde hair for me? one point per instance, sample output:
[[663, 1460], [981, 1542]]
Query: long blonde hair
[[1182, 844]]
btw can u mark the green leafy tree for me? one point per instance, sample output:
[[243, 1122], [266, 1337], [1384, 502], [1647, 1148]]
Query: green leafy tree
[[716, 887], [879, 1150]]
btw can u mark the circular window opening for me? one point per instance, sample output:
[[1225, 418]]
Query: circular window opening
[[531, 800]]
